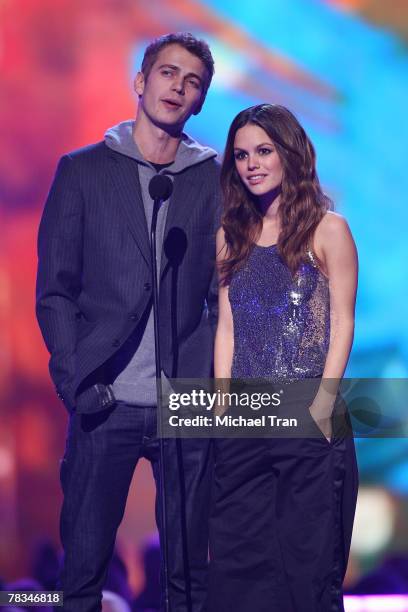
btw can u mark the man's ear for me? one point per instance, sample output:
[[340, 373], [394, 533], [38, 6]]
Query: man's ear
[[139, 83]]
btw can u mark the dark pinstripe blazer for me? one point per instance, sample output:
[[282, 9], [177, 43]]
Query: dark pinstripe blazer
[[94, 272]]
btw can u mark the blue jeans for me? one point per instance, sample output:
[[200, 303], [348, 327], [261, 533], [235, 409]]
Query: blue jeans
[[101, 454]]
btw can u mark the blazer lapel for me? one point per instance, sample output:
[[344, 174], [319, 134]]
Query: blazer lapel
[[125, 178]]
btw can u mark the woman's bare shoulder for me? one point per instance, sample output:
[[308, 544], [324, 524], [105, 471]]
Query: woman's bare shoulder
[[332, 222], [332, 236], [332, 226]]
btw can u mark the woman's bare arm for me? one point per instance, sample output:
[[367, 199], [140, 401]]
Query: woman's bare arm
[[224, 337], [335, 247]]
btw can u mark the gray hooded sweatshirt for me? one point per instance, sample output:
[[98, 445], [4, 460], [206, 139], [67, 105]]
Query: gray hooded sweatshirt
[[135, 367]]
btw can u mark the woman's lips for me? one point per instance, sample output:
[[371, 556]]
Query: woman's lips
[[256, 178]]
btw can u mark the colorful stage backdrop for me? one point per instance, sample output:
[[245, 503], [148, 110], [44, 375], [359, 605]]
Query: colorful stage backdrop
[[66, 75]]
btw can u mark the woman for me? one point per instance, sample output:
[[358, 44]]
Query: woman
[[283, 507]]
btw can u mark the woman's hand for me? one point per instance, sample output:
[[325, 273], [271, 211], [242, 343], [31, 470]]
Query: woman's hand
[[323, 422], [321, 411]]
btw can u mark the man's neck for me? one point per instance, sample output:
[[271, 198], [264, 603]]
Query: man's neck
[[154, 143]]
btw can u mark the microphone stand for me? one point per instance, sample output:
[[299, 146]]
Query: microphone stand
[[162, 492]]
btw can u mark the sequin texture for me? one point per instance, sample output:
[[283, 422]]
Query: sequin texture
[[281, 323]]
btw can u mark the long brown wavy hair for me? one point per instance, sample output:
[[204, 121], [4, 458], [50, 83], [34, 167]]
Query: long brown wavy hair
[[303, 202]]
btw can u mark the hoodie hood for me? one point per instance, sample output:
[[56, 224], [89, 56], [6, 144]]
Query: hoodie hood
[[189, 152]]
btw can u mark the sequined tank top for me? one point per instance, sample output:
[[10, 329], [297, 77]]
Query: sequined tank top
[[281, 323]]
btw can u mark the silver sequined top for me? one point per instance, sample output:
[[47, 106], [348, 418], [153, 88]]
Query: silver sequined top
[[281, 323]]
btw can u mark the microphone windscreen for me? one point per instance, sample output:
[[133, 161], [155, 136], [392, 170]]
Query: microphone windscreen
[[160, 187]]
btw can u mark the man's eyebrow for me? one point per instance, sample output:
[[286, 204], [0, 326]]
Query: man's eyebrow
[[190, 74]]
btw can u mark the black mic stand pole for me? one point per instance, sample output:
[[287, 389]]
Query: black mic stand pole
[[156, 206]]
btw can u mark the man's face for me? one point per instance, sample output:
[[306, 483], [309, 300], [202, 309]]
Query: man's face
[[174, 89]]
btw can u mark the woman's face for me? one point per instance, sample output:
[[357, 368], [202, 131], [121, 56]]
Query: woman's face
[[256, 160]]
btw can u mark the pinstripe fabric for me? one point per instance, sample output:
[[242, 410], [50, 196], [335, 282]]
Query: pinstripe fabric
[[94, 277]]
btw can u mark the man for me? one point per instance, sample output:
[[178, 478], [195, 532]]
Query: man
[[94, 306]]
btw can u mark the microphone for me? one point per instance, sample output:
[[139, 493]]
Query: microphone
[[160, 187]]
